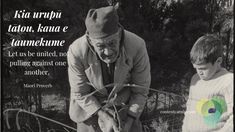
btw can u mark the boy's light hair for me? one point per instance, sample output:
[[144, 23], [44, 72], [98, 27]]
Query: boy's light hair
[[207, 49]]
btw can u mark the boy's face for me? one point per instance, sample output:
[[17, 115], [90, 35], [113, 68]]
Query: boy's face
[[207, 70]]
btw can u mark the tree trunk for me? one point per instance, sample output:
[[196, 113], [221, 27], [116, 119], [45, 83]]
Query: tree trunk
[[39, 100], [227, 51]]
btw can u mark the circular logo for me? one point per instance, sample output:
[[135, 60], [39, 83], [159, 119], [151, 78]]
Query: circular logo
[[211, 109]]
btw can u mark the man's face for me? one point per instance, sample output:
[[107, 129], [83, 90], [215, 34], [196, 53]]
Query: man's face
[[108, 48], [206, 70]]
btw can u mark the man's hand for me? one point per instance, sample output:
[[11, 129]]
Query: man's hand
[[106, 122]]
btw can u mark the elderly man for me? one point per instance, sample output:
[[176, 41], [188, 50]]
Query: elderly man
[[107, 54]]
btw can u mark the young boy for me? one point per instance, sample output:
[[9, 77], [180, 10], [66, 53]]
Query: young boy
[[210, 102]]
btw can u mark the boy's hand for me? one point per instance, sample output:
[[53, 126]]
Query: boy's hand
[[223, 119], [225, 116], [217, 128]]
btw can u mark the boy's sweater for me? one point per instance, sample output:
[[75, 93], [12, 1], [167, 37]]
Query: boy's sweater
[[221, 84]]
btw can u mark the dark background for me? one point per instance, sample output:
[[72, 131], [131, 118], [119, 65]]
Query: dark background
[[169, 27]]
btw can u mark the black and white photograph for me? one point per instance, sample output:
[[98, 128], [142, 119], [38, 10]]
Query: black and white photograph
[[117, 65]]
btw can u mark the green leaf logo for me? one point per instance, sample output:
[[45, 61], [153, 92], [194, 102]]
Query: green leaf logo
[[211, 109]]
